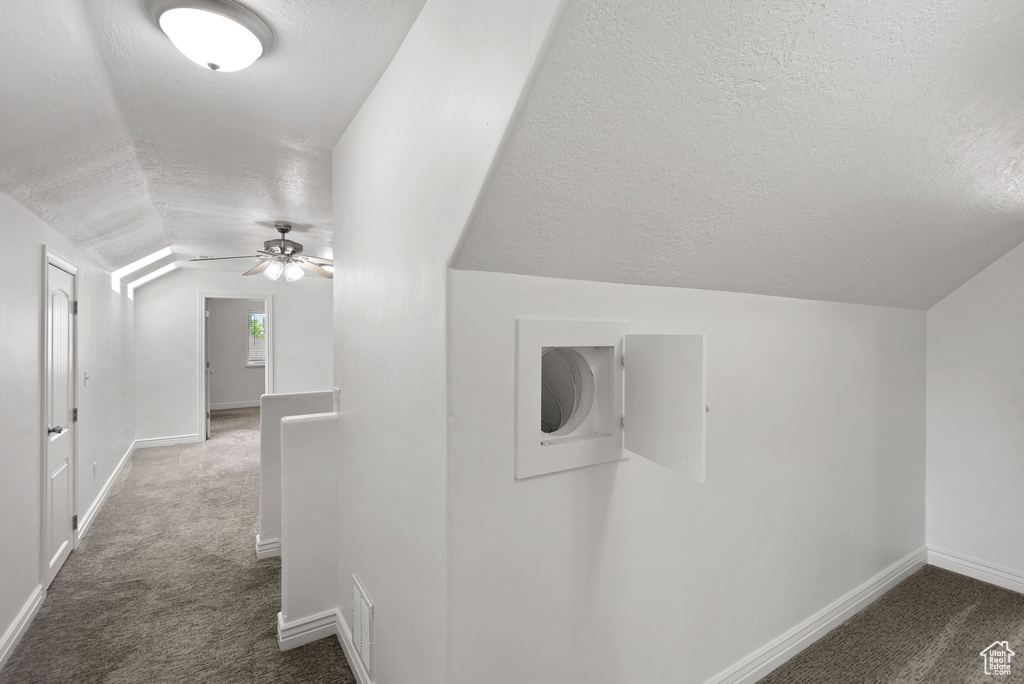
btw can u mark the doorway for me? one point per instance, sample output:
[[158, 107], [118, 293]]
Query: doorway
[[236, 353], [60, 433]]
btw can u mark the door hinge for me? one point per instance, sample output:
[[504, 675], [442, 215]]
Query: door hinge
[[74, 522], [74, 308], [74, 415]]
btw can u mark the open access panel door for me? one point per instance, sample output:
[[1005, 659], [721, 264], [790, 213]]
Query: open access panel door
[[666, 399]]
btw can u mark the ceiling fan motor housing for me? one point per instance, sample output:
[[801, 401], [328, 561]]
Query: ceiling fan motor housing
[[282, 246]]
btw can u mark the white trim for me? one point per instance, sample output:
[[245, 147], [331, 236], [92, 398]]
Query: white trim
[[318, 626], [268, 548], [166, 441], [87, 519], [355, 663], [773, 654], [305, 630], [17, 628], [60, 262], [1001, 576], [235, 404]]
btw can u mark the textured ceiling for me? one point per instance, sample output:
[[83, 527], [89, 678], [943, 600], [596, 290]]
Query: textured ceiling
[[118, 141], [868, 152]]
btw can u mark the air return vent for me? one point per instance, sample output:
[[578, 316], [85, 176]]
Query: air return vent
[[362, 624]]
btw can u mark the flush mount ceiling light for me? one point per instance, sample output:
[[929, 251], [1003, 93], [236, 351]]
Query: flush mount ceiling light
[[220, 35]]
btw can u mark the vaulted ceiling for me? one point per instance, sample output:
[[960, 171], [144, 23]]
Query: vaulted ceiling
[[119, 142], [860, 152], [866, 152]]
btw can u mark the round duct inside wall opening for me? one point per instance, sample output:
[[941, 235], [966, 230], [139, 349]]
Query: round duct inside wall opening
[[567, 390]]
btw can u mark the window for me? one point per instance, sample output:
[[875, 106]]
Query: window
[[257, 347]]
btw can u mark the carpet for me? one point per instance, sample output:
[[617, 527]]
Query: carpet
[[932, 627], [165, 586]]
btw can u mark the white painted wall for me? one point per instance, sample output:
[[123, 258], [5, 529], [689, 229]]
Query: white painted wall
[[406, 174], [629, 572], [105, 405], [976, 417], [274, 407], [167, 342], [232, 382], [309, 563]]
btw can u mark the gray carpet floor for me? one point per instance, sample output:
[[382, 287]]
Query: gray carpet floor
[[930, 628], [165, 586]]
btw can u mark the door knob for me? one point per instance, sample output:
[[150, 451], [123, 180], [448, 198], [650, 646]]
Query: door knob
[[50, 430]]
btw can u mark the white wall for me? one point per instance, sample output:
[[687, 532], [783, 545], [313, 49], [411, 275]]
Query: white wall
[[628, 572], [105, 406], [167, 342], [976, 418], [406, 174], [232, 382]]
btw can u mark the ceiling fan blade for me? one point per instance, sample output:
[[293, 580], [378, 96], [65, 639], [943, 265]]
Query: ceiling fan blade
[[317, 260], [247, 256], [258, 268], [263, 251], [313, 268]]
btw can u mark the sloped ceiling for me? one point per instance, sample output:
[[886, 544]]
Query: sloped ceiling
[[114, 138], [867, 152]]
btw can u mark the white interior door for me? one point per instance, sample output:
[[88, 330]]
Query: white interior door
[[60, 425], [206, 372]]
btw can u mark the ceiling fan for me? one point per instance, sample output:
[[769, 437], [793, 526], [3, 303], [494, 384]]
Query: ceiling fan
[[282, 257]]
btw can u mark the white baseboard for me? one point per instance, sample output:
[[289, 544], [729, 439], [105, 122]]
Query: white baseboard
[[166, 441], [90, 514], [775, 653], [235, 404], [17, 628], [306, 630], [355, 663], [998, 575], [300, 632], [267, 548]]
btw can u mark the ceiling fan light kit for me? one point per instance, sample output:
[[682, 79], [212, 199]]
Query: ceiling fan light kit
[[220, 35], [274, 270], [282, 257]]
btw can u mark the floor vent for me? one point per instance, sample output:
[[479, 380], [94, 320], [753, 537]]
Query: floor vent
[[362, 624]]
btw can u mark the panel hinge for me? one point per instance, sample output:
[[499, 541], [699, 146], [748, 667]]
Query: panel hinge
[[623, 421], [74, 415], [74, 522], [74, 308]]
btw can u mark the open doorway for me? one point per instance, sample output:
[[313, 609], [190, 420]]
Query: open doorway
[[236, 353]]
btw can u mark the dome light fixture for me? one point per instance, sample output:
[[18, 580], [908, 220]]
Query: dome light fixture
[[220, 35]]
